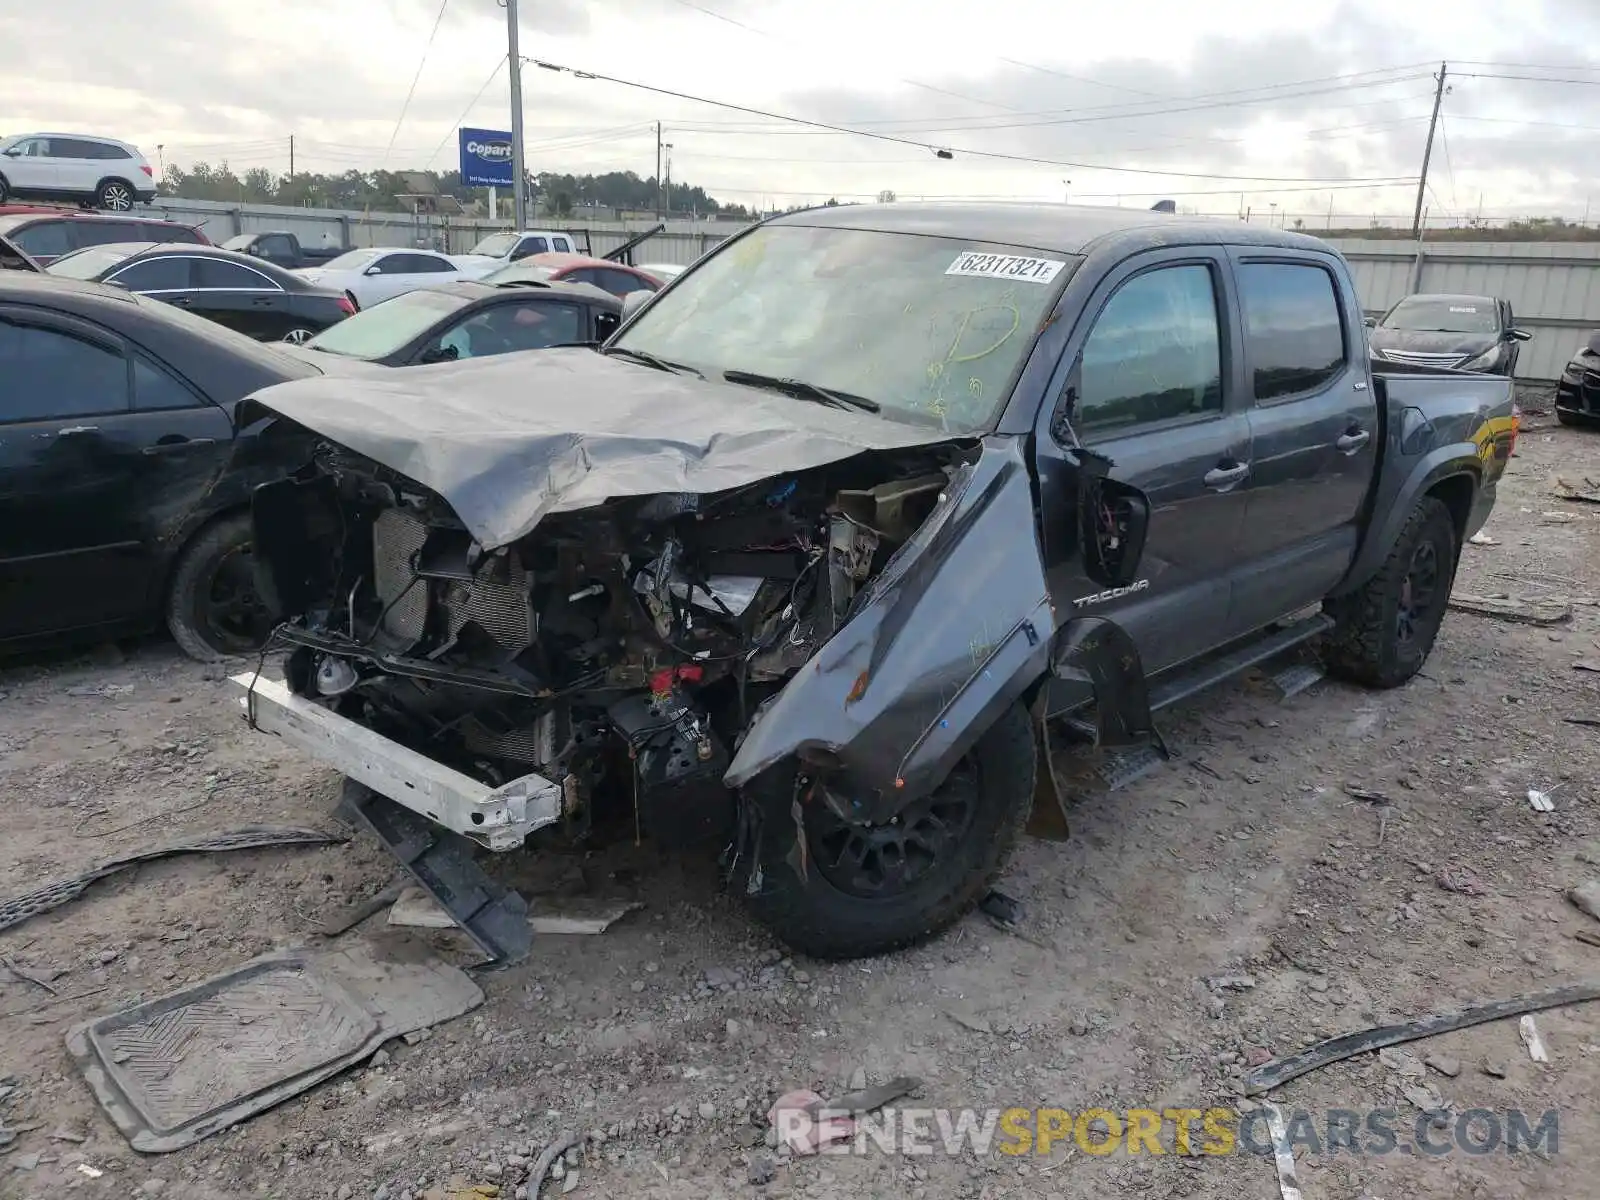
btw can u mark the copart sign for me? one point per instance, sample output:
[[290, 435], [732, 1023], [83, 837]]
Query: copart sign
[[485, 158]]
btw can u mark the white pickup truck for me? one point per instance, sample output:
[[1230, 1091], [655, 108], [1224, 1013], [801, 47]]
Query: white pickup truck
[[512, 246]]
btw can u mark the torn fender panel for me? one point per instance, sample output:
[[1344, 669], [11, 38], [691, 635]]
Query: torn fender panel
[[956, 626], [510, 439]]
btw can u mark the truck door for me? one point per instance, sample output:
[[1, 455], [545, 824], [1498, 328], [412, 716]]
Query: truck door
[[1147, 382], [1313, 421]]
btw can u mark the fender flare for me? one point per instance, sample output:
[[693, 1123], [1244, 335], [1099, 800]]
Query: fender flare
[[1446, 462]]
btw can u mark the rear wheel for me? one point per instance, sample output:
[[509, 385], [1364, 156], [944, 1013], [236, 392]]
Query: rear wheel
[[5, 189], [855, 890], [114, 196], [1385, 630], [299, 336], [213, 608]]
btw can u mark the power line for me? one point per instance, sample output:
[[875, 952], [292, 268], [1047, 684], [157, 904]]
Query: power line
[[1274, 191], [412, 90], [1116, 87], [941, 151], [1444, 140], [465, 112], [1523, 78], [700, 8]]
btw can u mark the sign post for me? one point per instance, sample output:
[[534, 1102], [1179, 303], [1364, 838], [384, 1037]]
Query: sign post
[[486, 161]]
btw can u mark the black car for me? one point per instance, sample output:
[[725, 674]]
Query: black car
[[1468, 333], [243, 293], [1578, 389], [47, 236], [119, 503], [472, 320]]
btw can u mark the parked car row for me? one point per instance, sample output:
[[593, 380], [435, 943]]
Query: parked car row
[[46, 235]]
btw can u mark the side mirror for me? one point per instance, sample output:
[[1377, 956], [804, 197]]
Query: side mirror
[[374, 269], [633, 302], [14, 152], [439, 354], [1372, 322], [1518, 335], [1113, 523], [605, 324]]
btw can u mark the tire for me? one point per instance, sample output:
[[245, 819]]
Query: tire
[[818, 917], [5, 189], [115, 195], [1383, 633], [213, 609]]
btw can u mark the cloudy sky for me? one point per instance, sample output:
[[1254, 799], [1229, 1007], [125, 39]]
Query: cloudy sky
[[1302, 106]]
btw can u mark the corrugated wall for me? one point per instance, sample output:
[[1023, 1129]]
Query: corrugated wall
[[1553, 287]]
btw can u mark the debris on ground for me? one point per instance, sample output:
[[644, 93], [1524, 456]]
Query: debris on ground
[[1367, 794], [1336, 1049], [1424, 1096], [241, 1042], [1482, 539], [1529, 1033], [806, 1123], [1504, 608], [1444, 1064], [414, 908], [551, 1157], [101, 689], [53, 895], [1585, 897], [1002, 909], [976, 1024], [348, 918], [1460, 880], [1540, 801], [1589, 493], [1282, 1154]]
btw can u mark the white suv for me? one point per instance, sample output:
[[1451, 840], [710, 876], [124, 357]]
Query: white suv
[[68, 166]]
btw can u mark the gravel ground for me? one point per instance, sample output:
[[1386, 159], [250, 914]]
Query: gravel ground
[[1227, 908]]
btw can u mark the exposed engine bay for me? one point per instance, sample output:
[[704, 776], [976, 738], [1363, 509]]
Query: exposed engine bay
[[620, 650]]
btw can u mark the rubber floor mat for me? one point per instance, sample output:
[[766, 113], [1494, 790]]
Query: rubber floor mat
[[181, 1068]]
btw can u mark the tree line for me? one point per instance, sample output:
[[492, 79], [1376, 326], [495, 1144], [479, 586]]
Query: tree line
[[551, 193]]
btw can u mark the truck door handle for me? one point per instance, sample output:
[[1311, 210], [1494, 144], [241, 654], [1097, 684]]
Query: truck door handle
[[1221, 478], [178, 445], [1353, 441]]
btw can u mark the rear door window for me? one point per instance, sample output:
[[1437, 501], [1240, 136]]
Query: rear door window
[[1293, 328], [530, 245], [103, 233], [620, 283], [219, 275]]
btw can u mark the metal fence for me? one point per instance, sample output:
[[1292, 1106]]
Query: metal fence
[[1553, 287]]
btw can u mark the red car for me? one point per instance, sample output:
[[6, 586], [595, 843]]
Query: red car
[[46, 234], [555, 267]]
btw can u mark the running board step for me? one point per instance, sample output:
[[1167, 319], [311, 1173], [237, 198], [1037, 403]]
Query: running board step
[[1211, 672], [494, 917], [1119, 768]]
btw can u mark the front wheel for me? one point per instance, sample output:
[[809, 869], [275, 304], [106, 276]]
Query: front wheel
[[1384, 631], [213, 608], [856, 890]]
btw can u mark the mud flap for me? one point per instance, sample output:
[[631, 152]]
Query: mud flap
[[1048, 817], [494, 917]]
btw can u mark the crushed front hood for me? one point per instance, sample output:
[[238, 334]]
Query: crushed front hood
[[508, 440]]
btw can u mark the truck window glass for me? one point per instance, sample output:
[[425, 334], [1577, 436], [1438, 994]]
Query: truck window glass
[[1155, 353], [1294, 336], [933, 329], [46, 375]]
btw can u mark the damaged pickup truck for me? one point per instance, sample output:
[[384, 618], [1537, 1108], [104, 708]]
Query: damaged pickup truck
[[808, 559]]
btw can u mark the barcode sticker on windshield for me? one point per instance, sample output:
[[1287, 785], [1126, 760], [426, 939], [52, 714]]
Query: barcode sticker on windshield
[[1005, 266], [1461, 308]]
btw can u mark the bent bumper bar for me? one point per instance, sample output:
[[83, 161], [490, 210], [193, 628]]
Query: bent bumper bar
[[497, 818]]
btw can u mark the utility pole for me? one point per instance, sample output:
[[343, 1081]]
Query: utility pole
[[658, 170], [1427, 153], [519, 187], [667, 177], [291, 156]]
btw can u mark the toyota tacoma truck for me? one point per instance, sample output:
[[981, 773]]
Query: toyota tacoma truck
[[811, 559]]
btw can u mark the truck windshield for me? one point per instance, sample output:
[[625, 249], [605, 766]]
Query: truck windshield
[[496, 245], [1444, 314], [240, 242], [384, 328], [933, 330]]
